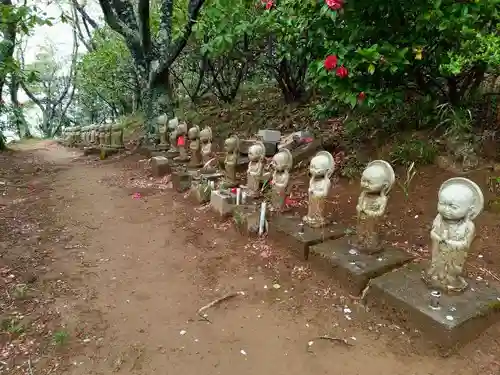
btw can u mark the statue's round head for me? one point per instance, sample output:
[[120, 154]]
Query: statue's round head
[[322, 164], [206, 135], [182, 128], [193, 132], [378, 177], [173, 124], [256, 151], [460, 198], [230, 144], [282, 160]]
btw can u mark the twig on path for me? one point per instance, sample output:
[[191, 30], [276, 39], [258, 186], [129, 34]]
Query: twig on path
[[328, 338], [216, 302], [29, 366]]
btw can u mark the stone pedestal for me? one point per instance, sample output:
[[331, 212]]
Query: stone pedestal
[[160, 166], [172, 154], [352, 267], [287, 229], [201, 191], [91, 150], [246, 219], [222, 202], [460, 318], [181, 181], [106, 152]]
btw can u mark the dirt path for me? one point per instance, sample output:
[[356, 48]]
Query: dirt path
[[142, 267]]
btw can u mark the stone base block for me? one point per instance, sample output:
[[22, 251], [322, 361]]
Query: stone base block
[[160, 166], [247, 218], [222, 202], [201, 191], [172, 154], [91, 150], [353, 268], [460, 318], [289, 228], [181, 181]]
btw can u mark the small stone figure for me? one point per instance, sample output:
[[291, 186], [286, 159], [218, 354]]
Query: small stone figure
[[452, 233], [256, 157], [282, 163], [93, 134], [161, 122], [102, 135], [206, 144], [321, 169], [232, 148], [376, 182], [117, 136], [195, 147], [107, 135], [172, 127], [181, 132]]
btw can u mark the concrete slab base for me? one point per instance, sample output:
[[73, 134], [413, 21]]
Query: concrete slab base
[[160, 166], [460, 318], [352, 267], [181, 181], [222, 202], [287, 228]]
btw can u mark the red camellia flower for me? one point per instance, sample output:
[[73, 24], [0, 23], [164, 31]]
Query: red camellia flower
[[330, 62], [269, 5], [335, 4], [342, 72], [361, 96]]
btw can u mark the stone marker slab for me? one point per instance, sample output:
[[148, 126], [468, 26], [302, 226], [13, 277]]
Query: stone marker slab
[[247, 218], [353, 268], [270, 147], [181, 181], [268, 135], [222, 202], [288, 227], [160, 166], [460, 319]]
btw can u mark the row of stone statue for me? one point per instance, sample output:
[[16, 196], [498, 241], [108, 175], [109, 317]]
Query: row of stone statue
[[460, 201], [106, 135]]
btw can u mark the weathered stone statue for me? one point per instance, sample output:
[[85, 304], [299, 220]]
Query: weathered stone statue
[[102, 135], [195, 147], [452, 233], [107, 135], [117, 136], [78, 135], [321, 169], [282, 162], [182, 145], [232, 148], [376, 181], [161, 122], [172, 127], [93, 134], [206, 144], [256, 157]]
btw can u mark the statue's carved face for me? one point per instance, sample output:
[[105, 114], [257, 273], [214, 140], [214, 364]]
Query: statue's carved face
[[280, 161], [254, 153], [455, 202], [319, 166], [230, 144], [374, 179], [204, 136], [193, 133]]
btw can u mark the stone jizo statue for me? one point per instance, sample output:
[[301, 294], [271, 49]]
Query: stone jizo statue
[[172, 127], [117, 136], [206, 144], [321, 169], [256, 157], [232, 148], [195, 147], [102, 135], [181, 132], [107, 135], [282, 163], [452, 233], [377, 181], [161, 122]]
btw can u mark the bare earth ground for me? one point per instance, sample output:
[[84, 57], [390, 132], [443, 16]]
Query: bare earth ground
[[102, 282]]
